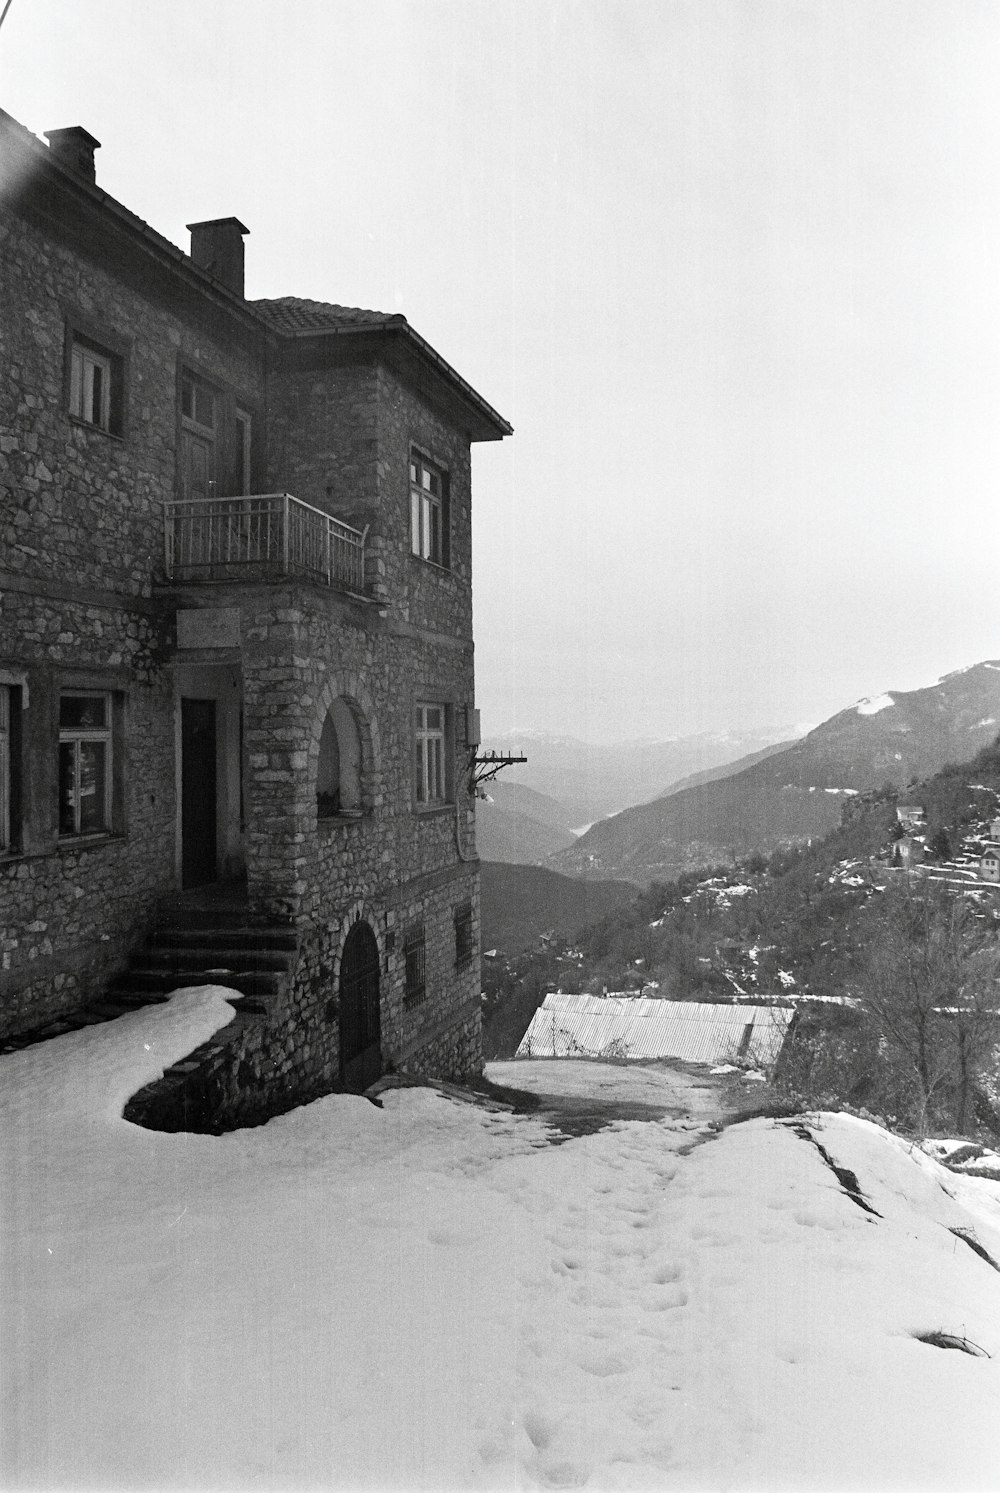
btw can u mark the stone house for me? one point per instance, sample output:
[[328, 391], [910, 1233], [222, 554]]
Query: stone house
[[236, 655], [911, 816], [989, 863]]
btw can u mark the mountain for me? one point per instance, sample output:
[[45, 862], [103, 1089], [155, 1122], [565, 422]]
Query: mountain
[[797, 794], [521, 902], [592, 780], [727, 770], [516, 824]]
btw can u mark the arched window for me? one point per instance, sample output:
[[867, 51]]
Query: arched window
[[338, 776]]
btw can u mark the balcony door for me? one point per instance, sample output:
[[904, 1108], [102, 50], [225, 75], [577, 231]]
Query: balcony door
[[198, 431]]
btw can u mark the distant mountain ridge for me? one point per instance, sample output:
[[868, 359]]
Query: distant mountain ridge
[[593, 780], [514, 824], [796, 794]]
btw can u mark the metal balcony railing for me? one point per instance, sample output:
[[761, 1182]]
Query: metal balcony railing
[[260, 536]]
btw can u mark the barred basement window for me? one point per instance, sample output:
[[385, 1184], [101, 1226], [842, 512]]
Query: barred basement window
[[463, 933], [10, 768], [85, 764], [414, 952]]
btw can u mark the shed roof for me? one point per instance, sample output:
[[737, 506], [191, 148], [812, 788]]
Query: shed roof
[[639, 1027]]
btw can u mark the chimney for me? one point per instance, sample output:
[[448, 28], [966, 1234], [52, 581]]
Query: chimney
[[74, 148], [217, 246]]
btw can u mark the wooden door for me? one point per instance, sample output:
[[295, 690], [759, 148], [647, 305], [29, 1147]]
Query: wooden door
[[198, 793], [360, 1026]]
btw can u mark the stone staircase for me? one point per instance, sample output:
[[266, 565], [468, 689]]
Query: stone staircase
[[206, 937], [207, 940]]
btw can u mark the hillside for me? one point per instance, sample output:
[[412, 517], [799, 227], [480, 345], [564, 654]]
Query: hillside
[[786, 927], [592, 780], [518, 825], [796, 795], [521, 902], [726, 770]]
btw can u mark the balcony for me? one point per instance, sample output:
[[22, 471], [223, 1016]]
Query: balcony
[[260, 538]]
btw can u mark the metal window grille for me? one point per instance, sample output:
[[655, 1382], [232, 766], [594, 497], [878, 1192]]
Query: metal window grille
[[463, 934], [5, 773], [415, 951]]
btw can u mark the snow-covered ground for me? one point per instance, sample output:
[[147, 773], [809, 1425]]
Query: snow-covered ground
[[434, 1294]]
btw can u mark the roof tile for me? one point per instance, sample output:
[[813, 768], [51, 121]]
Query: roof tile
[[295, 314]]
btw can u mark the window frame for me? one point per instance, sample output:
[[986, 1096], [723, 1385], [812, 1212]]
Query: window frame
[[87, 344], [415, 964], [77, 737], [430, 509], [431, 770]]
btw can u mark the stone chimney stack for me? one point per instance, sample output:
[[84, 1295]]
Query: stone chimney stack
[[217, 246], [74, 148]]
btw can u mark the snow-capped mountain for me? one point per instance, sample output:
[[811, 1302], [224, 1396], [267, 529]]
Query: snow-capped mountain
[[797, 794]]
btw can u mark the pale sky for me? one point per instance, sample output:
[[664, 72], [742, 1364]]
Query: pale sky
[[730, 267]]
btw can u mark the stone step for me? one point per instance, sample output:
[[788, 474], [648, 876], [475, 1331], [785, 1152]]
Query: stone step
[[211, 913], [153, 980], [215, 956], [237, 936]]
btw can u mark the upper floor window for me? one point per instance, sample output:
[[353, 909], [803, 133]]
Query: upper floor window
[[96, 380], [431, 758], [85, 763], [428, 510]]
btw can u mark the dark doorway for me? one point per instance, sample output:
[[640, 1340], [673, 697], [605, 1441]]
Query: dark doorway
[[198, 811], [360, 1035]]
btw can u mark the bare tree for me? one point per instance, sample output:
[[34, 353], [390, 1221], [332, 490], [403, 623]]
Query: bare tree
[[927, 978]]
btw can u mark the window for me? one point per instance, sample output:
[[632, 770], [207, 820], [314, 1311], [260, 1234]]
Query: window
[[431, 776], [428, 511], [10, 768], [96, 385], [463, 933], [84, 764], [414, 952]]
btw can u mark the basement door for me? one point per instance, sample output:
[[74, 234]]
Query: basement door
[[360, 1031], [198, 793]]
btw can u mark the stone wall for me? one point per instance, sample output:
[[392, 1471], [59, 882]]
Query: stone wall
[[83, 604], [81, 539]]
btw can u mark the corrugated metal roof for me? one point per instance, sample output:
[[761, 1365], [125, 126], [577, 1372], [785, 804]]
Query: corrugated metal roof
[[640, 1027]]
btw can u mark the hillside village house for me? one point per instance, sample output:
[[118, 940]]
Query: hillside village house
[[236, 660]]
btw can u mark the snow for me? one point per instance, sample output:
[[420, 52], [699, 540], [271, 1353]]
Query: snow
[[873, 705], [435, 1295]]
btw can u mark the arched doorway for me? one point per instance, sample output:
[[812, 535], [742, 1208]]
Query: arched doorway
[[360, 1035]]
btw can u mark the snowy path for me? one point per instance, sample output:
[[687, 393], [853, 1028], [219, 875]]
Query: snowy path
[[434, 1295]]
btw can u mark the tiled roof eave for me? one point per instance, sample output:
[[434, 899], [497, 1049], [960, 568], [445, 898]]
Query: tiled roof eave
[[399, 325]]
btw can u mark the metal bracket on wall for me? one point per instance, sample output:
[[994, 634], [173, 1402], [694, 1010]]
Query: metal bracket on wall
[[483, 769]]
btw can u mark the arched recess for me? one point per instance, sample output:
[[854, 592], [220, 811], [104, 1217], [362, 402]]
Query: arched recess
[[345, 748]]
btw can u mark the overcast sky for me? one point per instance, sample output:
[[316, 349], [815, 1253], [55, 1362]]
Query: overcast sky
[[730, 267]]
